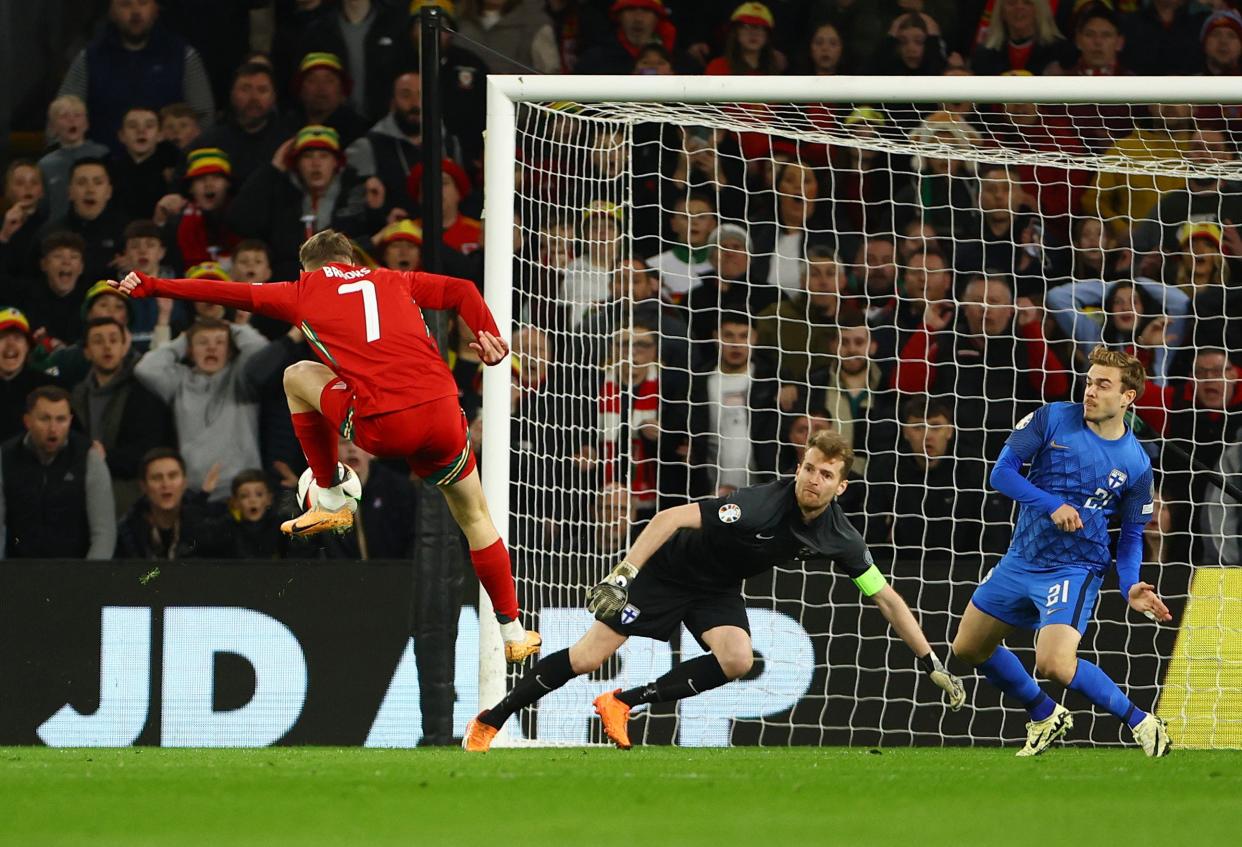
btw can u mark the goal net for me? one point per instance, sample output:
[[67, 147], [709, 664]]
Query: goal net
[[697, 275]]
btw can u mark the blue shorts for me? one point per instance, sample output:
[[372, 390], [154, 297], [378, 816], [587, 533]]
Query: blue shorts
[[1021, 596]]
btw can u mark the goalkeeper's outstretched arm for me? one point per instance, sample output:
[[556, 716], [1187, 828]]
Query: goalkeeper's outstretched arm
[[903, 622]]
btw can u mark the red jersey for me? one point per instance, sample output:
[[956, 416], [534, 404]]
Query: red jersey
[[365, 324]]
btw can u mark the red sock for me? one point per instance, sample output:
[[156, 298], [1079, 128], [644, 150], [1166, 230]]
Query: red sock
[[494, 572], [318, 441]]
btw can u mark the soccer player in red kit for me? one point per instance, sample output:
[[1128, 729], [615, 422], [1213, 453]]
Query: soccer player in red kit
[[382, 384]]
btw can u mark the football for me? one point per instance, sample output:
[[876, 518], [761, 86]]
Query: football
[[351, 487]]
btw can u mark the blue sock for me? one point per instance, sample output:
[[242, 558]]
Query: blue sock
[[1096, 686], [1004, 670]]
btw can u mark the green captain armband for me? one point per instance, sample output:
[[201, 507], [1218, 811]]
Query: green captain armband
[[871, 582]]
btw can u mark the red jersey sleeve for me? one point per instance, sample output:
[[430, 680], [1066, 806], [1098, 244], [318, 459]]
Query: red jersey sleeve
[[277, 300], [435, 291]]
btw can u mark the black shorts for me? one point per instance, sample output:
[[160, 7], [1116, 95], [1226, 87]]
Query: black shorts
[[657, 605]]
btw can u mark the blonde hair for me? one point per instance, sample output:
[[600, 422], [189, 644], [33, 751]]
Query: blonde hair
[[59, 105], [834, 446], [325, 247], [1046, 31], [1133, 374]]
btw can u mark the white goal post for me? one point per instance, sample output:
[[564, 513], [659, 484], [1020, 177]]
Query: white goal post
[[730, 104]]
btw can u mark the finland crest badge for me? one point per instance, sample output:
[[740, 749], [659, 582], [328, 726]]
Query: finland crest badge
[[1116, 478], [630, 614], [729, 513]]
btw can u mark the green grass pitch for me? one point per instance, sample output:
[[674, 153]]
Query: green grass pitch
[[648, 797]]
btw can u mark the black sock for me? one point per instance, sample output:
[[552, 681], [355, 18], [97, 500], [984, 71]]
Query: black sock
[[549, 674], [685, 680]]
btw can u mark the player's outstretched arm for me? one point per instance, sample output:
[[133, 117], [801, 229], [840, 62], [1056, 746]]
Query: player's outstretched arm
[[275, 300], [903, 622], [609, 596]]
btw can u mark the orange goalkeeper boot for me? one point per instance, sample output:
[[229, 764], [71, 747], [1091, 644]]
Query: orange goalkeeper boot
[[615, 717], [479, 736]]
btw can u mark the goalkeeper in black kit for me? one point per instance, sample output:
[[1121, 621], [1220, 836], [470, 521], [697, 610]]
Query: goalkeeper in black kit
[[687, 566]]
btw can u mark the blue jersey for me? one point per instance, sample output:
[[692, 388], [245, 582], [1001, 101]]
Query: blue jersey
[[1098, 477]]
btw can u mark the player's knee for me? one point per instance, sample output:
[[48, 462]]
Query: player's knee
[[1059, 669], [296, 373], [973, 654], [736, 663]]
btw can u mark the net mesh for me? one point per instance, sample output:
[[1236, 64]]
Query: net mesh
[[699, 288]]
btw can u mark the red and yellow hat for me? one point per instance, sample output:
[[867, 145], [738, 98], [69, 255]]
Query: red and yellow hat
[[208, 270], [656, 6], [1200, 231], [403, 230], [315, 137], [755, 14], [207, 160], [414, 182], [321, 61], [11, 318]]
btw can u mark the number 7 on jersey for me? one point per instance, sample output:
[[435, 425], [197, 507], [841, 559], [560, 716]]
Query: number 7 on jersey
[[370, 307]]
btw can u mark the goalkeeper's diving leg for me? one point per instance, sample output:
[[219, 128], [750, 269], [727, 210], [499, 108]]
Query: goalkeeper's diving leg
[[731, 657]]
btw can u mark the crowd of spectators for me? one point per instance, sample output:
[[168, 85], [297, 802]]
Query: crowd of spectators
[[681, 345]]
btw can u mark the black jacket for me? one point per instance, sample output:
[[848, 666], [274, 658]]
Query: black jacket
[[269, 206], [385, 51], [134, 421], [202, 533], [934, 513], [104, 238], [61, 317], [349, 125], [13, 393], [261, 539], [248, 151], [1153, 49], [45, 505], [138, 186]]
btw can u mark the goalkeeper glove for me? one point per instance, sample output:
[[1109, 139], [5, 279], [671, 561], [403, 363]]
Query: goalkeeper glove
[[947, 682], [608, 597]]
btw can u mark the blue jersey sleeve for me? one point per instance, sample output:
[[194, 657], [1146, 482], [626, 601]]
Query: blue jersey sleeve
[[1129, 557], [1007, 478], [1030, 434], [1135, 510], [1026, 440], [1138, 503]]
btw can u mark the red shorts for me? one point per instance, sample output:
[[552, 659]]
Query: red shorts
[[433, 437]]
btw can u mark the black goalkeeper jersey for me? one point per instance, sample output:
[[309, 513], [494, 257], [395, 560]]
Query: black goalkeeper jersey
[[754, 529]]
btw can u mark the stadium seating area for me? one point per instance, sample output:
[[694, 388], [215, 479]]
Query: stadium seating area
[[751, 293]]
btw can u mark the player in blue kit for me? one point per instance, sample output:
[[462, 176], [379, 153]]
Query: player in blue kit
[[1087, 467]]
